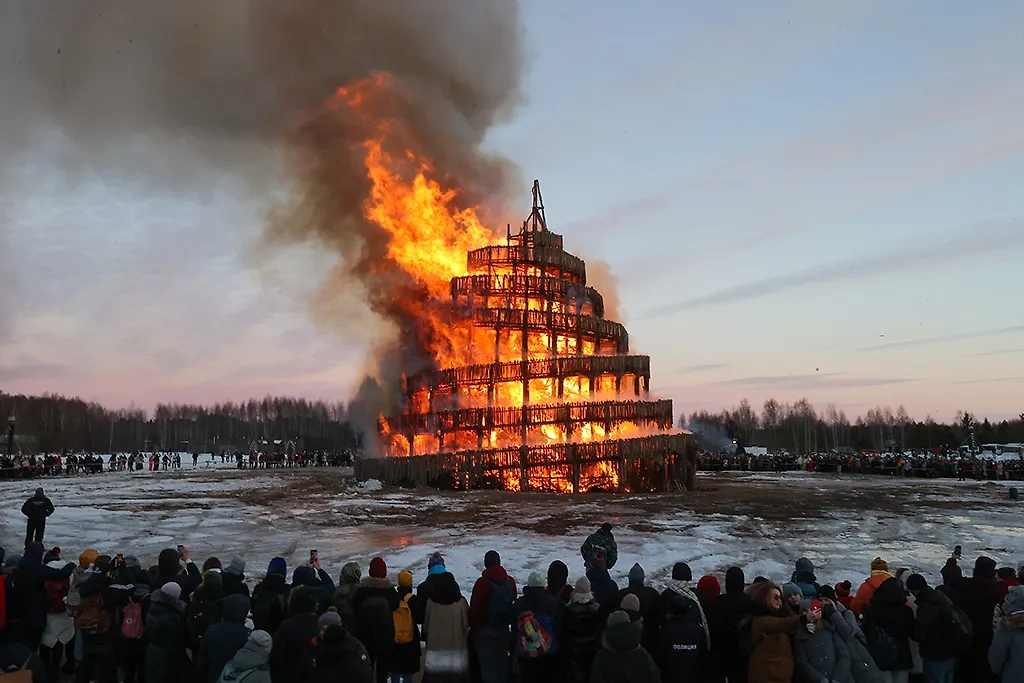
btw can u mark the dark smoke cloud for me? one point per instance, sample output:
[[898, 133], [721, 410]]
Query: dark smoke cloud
[[171, 92]]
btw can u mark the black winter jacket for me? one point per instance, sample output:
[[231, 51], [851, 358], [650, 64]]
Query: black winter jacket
[[889, 611], [223, 640], [581, 639]]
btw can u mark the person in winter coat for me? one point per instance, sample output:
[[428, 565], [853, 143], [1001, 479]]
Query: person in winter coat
[[581, 633], [979, 596], [36, 509], [804, 578], [204, 609], [537, 620], [166, 634], [435, 582], [558, 582], [312, 576], [889, 611], [270, 597], [843, 597], [651, 610], [682, 642], [845, 624], [340, 657], [445, 628], [879, 575], [234, 578], [59, 632], [224, 639], [348, 584], [374, 603], [708, 589], [1006, 655], [933, 613], [771, 629], [601, 542], [490, 617], [792, 596], [101, 602], [294, 638], [821, 654], [622, 659], [29, 596], [680, 586], [169, 568], [605, 590], [724, 622], [405, 658], [251, 664], [130, 652]]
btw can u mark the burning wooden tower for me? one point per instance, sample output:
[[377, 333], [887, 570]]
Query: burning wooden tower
[[562, 407]]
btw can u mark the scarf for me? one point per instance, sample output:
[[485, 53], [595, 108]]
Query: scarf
[[684, 589]]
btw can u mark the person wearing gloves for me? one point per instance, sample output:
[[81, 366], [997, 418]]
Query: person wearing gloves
[[821, 654]]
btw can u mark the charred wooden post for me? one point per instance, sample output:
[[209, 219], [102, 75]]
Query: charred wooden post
[[564, 407]]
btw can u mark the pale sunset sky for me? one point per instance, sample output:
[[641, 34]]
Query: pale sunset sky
[[798, 199]]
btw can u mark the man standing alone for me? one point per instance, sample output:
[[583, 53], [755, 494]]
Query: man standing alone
[[37, 509]]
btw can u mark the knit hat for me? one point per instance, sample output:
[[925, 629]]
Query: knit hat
[[492, 559], [805, 565], [39, 491], [329, 618], [709, 587], [213, 585], [916, 582], [827, 591], [583, 592], [630, 602], [262, 640], [681, 572], [87, 558], [171, 590], [378, 568], [278, 566], [536, 580], [636, 574], [879, 565], [618, 617], [789, 590], [130, 561], [405, 579], [843, 589], [236, 567], [735, 581], [435, 560], [1014, 602]]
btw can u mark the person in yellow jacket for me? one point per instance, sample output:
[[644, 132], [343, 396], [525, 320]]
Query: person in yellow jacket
[[879, 575]]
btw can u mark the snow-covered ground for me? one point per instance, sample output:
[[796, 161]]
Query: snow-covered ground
[[761, 522]]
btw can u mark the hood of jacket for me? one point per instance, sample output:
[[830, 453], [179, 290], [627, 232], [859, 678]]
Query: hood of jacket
[[495, 574], [891, 592], [558, 576], [444, 588], [351, 573], [169, 563], [376, 582], [235, 608], [161, 598], [251, 656], [622, 637], [735, 581], [274, 583], [305, 576], [1014, 602]]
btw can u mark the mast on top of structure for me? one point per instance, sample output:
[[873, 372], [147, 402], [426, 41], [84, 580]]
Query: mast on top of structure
[[537, 222]]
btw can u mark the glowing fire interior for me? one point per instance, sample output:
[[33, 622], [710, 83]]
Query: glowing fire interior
[[524, 357]]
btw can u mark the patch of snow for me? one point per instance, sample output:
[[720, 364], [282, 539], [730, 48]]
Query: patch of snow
[[370, 485]]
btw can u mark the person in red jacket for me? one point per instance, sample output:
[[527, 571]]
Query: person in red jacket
[[490, 619]]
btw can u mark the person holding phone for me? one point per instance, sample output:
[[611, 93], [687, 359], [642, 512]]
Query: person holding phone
[[821, 653], [771, 630]]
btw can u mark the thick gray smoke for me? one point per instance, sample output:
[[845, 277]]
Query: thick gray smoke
[[161, 91]]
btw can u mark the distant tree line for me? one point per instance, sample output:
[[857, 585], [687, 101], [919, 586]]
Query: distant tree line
[[801, 428], [60, 423]]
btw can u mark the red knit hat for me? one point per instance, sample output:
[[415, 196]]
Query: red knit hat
[[378, 568], [843, 589]]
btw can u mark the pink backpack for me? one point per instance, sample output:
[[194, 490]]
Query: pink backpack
[[132, 626]]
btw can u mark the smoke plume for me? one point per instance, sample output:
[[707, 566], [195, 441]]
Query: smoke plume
[[162, 91]]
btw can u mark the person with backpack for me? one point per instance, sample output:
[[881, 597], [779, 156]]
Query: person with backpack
[[537, 628], [941, 631], [405, 658], [251, 664], [435, 583], [348, 584], [295, 637], [490, 618], [130, 648], [888, 625], [234, 578], [59, 632], [978, 597], [270, 597], [601, 542], [224, 638], [203, 610], [374, 604], [581, 633], [558, 582], [340, 657], [622, 659], [36, 509], [1006, 655], [31, 583], [166, 635], [445, 626]]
